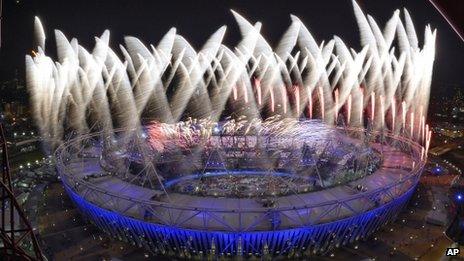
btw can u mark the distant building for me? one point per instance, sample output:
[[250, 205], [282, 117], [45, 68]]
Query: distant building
[[449, 130]]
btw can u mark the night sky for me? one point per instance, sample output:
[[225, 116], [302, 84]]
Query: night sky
[[196, 20]]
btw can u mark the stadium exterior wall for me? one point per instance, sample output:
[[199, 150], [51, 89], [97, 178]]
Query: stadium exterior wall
[[311, 239]]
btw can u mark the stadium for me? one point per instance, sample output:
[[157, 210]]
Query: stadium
[[245, 151], [263, 192]]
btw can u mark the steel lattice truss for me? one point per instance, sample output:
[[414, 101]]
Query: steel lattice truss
[[17, 238]]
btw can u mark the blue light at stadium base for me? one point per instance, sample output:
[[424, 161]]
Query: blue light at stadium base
[[437, 170], [460, 197], [309, 239]]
